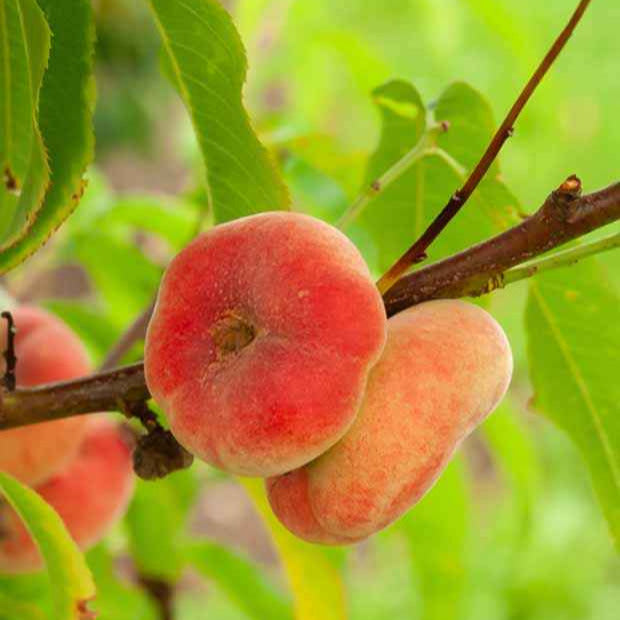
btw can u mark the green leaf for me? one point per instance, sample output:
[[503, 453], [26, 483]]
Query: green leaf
[[314, 192], [71, 581], [574, 355], [66, 101], [117, 600], [242, 581], [315, 582], [436, 531], [403, 116], [24, 49], [207, 62], [16, 103], [325, 154], [31, 587], [14, 609], [471, 124], [168, 217], [513, 448], [93, 328], [154, 534], [401, 212], [124, 277]]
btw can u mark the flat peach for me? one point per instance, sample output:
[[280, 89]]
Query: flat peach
[[261, 342], [47, 350], [90, 495], [446, 366]]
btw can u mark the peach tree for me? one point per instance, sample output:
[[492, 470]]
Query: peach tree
[[299, 310]]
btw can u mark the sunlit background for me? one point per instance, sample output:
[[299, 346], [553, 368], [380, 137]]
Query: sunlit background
[[512, 531]]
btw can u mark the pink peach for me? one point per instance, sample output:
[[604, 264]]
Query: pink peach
[[261, 342], [47, 350], [90, 495], [446, 365]]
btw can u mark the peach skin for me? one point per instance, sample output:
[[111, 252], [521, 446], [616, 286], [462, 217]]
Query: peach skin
[[446, 365], [90, 495], [261, 342], [47, 350]]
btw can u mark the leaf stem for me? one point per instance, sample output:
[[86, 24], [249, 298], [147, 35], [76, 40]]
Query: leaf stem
[[423, 147]]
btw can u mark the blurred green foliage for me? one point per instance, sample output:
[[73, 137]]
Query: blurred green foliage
[[512, 530]]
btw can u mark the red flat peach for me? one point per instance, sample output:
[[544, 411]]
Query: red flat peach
[[90, 494], [47, 350], [261, 342]]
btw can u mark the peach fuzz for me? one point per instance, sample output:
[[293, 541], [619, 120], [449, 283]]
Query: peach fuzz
[[446, 365], [47, 350], [90, 495], [261, 342]]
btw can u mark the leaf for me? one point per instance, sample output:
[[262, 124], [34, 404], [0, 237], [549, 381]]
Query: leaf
[[117, 600], [16, 103], [436, 531], [316, 584], [72, 583], [14, 609], [207, 62], [325, 154], [402, 210], [513, 448], [124, 277], [574, 356], [24, 49], [314, 192], [241, 580], [92, 327], [66, 100], [403, 116], [471, 124], [165, 216], [154, 533]]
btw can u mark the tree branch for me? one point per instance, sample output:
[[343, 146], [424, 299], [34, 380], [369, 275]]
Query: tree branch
[[417, 252], [476, 271], [113, 390]]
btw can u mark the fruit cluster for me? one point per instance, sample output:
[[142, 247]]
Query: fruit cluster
[[81, 466], [270, 352]]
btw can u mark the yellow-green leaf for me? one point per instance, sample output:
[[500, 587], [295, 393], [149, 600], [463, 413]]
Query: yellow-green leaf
[[315, 582], [71, 580]]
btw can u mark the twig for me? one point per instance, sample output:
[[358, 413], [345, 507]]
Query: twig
[[8, 380], [563, 216], [417, 251], [136, 331], [112, 390]]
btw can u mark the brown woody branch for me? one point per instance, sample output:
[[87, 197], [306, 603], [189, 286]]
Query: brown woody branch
[[564, 216], [113, 390]]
